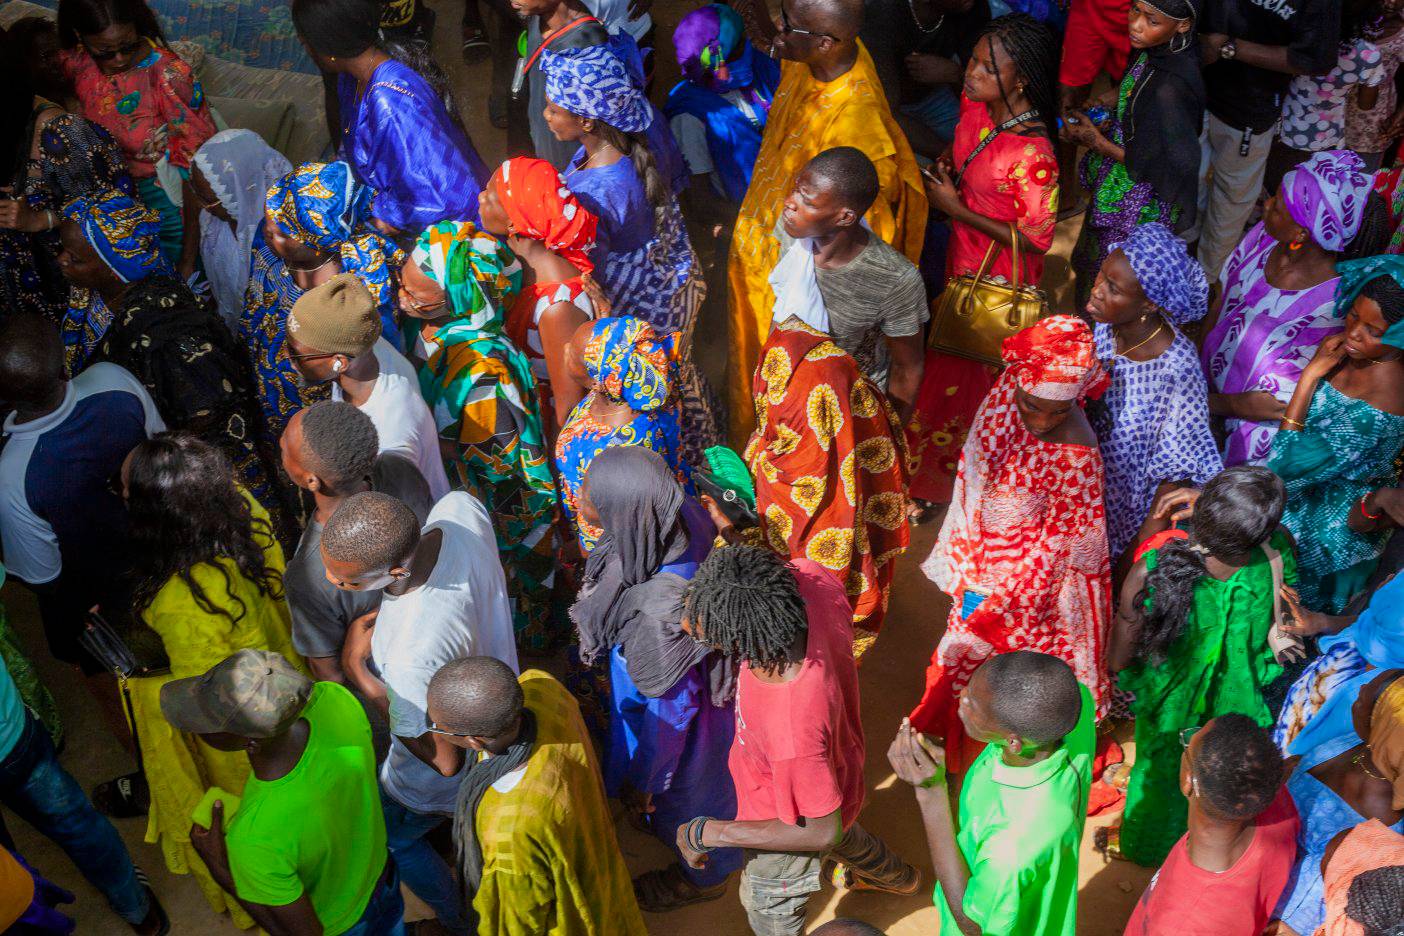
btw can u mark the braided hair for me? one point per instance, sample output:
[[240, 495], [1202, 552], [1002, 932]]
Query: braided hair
[[1376, 901], [1388, 295], [1238, 510], [745, 601], [1033, 48], [656, 188], [1375, 230]]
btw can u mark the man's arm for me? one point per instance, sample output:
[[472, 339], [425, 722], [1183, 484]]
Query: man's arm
[[908, 360], [808, 835], [294, 919], [355, 654], [436, 751], [326, 669]]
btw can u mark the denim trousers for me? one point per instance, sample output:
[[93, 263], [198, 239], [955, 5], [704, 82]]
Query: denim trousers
[[385, 914], [36, 788], [424, 872]]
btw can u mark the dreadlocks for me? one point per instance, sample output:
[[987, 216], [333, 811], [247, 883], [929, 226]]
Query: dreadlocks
[[1033, 48], [745, 601], [1376, 901]]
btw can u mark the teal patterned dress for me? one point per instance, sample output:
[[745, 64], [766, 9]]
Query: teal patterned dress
[[1347, 450], [1118, 202]]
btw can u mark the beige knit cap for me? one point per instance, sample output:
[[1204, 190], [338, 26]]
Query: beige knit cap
[[337, 317]]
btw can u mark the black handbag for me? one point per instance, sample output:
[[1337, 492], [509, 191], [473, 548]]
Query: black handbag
[[105, 645]]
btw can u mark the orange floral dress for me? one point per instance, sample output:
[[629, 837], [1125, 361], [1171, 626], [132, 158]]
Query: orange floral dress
[[1015, 178], [830, 468]]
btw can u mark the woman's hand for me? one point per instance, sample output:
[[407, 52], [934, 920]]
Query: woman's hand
[[1177, 505], [1329, 354], [17, 215], [941, 190], [1304, 622], [1078, 128], [725, 528]]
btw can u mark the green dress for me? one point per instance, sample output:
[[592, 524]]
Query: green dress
[[1219, 664], [1347, 450]]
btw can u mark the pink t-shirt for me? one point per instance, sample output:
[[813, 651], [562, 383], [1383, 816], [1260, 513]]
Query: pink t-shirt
[[1183, 900], [799, 745]]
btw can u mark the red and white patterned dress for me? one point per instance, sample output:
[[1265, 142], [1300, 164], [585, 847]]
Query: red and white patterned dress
[[1026, 525]]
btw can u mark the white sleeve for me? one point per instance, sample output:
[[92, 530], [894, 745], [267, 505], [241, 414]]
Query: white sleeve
[[31, 549]]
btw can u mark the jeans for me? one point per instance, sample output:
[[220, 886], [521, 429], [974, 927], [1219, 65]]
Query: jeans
[[42, 793], [423, 870], [385, 914], [775, 886]]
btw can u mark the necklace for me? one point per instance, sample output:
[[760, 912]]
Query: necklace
[[911, 5], [1158, 329], [1360, 760], [297, 269], [599, 152]]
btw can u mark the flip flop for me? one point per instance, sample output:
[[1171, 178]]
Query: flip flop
[[475, 46], [124, 797]]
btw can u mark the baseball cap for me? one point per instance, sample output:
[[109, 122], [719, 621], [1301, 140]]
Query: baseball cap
[[252, 694], [337, 317]]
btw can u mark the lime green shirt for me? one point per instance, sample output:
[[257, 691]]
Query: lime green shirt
[[1020, 828], [319, 829]]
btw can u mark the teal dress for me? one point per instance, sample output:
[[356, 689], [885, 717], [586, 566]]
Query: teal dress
[[1347, 450]]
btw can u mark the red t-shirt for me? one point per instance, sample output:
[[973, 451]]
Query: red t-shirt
[[799, 745], [1183, 900]]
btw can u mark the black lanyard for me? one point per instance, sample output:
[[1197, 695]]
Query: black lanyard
[[989, 138]]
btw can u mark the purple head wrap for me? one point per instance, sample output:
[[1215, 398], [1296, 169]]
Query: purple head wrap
[[1326, 195], [1169, 276], [705, 39]]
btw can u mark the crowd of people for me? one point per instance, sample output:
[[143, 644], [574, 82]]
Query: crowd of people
[[386, 502]]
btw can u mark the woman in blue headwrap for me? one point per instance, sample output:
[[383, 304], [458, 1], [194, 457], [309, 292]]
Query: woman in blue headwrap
[[1337, 442], [717, 112], [110, 240], [632, 374], [1153, 424], [315, 226], [645, 260]]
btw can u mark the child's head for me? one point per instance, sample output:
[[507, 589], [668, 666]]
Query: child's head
[[1376, 901], [1021, 701], [1162, 22], [1231, 768], [1239, 509], [833, 191], [114, 32]]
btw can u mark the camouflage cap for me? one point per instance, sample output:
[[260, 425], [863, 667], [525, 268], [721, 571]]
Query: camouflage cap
[[252, 694]]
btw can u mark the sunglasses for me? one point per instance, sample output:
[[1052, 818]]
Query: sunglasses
[[435, 729], [786, 28], [107, 55]]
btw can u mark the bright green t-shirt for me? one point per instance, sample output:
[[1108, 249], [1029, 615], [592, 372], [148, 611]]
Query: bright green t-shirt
[[1020, 828], [319, 829]]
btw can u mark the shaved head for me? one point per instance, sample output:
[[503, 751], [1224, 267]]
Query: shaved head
[[842, 19], [31, 361]]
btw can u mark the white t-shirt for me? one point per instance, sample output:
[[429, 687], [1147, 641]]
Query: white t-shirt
[[402, 418], [462, 610]]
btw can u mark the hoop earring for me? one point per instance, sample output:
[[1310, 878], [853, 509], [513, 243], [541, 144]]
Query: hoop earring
[[1183, 45], [1295, 245]]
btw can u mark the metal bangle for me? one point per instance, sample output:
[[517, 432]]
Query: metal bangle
[[694, 834]]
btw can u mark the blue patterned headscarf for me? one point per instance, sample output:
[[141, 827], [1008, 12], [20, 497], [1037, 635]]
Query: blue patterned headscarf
[[1354, 274], [320, 205], [1168, 275], [124, 232], [594, 82], [630, 362]]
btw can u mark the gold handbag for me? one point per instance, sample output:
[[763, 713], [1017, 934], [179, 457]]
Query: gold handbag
[[975, 314]]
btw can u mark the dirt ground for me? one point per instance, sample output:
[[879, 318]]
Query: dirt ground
[[891, 676]]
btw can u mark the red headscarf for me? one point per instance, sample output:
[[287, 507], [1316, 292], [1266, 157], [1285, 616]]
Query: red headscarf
[[539, 206], [1056, 359]]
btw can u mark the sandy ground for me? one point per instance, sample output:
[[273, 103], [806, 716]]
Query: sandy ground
[[892, 676]]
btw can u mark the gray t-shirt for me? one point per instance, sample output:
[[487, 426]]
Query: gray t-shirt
[[321, 612], [877, 293]]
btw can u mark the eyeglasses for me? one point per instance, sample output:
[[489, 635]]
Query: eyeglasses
[[435, 729], [107, 55], [1187, 735], [786, 28], [411, 303], [309, 356]]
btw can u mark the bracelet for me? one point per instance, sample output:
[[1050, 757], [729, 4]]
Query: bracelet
[[1289, 419], [694, 835], [936, 779], [1365, 513]]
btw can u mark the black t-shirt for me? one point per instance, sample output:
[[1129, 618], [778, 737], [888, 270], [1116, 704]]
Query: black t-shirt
[[1250, 98], [890, 33]]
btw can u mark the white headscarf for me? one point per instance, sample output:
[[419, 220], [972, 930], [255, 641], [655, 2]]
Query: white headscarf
[[239, 167]]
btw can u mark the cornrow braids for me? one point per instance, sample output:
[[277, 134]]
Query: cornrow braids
[[744, 601], [1375, 230], [1033, 48], [656, 188], [1376, 901]]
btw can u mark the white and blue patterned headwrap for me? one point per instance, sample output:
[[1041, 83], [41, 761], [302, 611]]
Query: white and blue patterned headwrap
[[1168, 275], [594, 82]]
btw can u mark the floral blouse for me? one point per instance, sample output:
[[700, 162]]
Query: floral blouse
[[160, 90], [1314, 111]]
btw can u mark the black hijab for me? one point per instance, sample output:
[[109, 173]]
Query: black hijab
[[1166, 111], [625, 599]]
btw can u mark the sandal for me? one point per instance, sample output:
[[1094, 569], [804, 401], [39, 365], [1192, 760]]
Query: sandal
[[1106, 841], [922, 511], [845, 878], [475, 46], [666, 890], [162, 920], [125, 797]]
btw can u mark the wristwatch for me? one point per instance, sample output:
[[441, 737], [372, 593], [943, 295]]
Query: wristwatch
[[1228, 50]]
